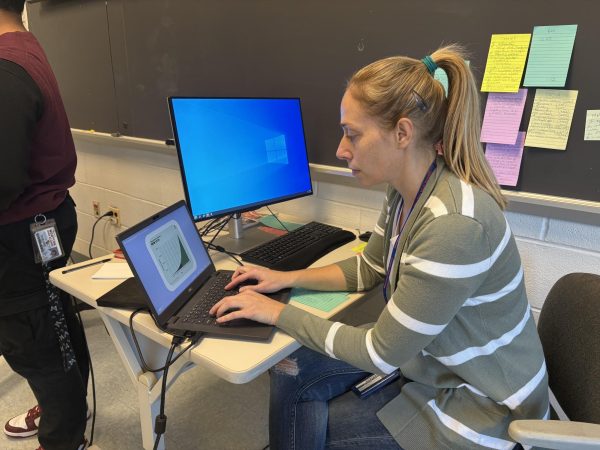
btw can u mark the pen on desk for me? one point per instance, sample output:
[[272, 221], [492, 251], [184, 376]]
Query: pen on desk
[[86, 265]]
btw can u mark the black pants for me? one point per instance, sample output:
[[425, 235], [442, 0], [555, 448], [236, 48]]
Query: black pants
[[28, 341]]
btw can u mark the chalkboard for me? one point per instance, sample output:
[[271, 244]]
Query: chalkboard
[[310, 48], [74, 34]]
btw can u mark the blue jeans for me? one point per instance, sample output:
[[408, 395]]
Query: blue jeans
[[312, 406]]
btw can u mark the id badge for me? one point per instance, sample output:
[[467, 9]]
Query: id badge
[[45, 240]]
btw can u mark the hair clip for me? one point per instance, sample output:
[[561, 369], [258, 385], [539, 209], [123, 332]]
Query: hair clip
[[419, 101]]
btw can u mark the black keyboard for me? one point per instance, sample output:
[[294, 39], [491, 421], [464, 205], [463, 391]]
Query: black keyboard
[[299, 248], [199, 313]]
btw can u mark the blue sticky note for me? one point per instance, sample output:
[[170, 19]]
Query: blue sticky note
[[322, 300], [550, 55]]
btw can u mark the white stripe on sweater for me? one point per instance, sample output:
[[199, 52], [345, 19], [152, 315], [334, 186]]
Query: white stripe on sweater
[[378, 230], [473, 352], [359, 281], [518, 397], [379, 269], [375, 358], [412, 323], [457, 270], [468, 433], [468, 202], [488, 298], [436, 206], [330, 337]]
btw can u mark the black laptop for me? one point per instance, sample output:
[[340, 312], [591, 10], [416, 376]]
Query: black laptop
[[178, 277]]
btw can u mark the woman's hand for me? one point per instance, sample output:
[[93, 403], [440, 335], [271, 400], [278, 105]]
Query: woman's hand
[[247, 305], [268, 280]]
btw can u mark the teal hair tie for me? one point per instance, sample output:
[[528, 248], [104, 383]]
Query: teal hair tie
[[430, 64]]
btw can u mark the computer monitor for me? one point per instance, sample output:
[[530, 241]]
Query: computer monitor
[[239, 154]]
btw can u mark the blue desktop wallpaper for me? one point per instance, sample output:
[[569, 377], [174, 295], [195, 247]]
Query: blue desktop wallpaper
[[147, 271], [239, 152]]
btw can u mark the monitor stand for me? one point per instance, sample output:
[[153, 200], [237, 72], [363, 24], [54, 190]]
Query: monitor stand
[[242, 237]]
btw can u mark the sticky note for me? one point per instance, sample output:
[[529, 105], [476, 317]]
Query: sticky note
[[550, 55], [502, 117], [505, 62], [505, 160], [551, 118], [592, 125], [271, 221], [322, 300]]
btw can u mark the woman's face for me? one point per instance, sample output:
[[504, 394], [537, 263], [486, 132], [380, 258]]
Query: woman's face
[[365, 145]]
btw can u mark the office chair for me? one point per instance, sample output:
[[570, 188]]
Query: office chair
[[569, 328]]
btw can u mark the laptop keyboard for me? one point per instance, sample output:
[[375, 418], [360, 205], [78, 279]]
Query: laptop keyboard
[[199, 313]]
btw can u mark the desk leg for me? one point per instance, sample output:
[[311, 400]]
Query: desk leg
[[148, 384]]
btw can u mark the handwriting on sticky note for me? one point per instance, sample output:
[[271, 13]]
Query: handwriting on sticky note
[[502, 117], [505, 160], [322, 300], [505, 63], [550, 55], [592, 125], [551, 118]]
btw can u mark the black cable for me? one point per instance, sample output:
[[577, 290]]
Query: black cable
[[160, 422], [218, 248], [106, 214], [139, 352], [220, 228], [87, 349], [282, 224]]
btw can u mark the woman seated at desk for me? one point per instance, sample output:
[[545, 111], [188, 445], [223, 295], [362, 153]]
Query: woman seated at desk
[[457, 323]]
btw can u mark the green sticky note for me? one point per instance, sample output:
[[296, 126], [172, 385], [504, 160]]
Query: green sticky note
[[322, 300], [550, 55], [271, 221]]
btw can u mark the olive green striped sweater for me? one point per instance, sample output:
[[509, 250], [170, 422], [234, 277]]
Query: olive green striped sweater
[[457, 324]]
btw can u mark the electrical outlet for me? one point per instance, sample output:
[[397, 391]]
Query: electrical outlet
[[116, 217], [96, 208]]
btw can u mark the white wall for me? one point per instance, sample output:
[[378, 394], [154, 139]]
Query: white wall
[[141, 180]]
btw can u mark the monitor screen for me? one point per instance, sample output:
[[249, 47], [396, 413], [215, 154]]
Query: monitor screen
[[238, 154]]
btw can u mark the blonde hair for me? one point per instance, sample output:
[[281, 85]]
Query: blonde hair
[[397, 87]]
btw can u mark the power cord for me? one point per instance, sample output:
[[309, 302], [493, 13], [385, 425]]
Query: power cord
[[106, 214]]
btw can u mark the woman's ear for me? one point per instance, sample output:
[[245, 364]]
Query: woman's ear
[[404, 132]]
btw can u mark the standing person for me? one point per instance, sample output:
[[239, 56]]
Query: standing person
[[40, 337], [457, 324]]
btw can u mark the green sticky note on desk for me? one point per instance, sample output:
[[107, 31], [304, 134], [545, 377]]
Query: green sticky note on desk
[[322, 300], [271, 221]]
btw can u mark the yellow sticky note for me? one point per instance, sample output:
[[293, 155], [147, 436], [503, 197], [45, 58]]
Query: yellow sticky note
[[359, 248], [551, 118], [505, 63]]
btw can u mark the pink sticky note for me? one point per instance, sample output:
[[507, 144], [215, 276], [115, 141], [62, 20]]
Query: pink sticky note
[[502, 117], [505, 160]]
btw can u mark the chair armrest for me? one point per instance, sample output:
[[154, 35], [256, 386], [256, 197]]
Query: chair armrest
[[556, 434]]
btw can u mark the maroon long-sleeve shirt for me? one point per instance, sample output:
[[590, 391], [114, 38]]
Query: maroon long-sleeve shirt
[[37, 153]]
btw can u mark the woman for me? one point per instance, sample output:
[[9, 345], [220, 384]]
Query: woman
[[457, 323]]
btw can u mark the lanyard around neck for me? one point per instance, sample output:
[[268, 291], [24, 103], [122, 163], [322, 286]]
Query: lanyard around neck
[[430, 171]]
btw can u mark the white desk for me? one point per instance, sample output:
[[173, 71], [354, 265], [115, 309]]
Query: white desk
[[234, 360]]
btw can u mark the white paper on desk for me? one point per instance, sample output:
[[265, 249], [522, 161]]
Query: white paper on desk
[[113, 271]]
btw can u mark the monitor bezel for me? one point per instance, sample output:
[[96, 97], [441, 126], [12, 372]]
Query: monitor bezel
[[247, 207]]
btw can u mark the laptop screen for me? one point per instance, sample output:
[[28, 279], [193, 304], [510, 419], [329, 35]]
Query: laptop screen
[[167, 255]]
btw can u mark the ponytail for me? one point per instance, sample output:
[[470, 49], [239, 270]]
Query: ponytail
[[462, 149], [397, 87]]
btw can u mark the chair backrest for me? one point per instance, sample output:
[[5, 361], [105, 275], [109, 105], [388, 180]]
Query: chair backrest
[[569, 327]]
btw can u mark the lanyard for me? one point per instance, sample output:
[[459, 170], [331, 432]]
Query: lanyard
[[430, 171]]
